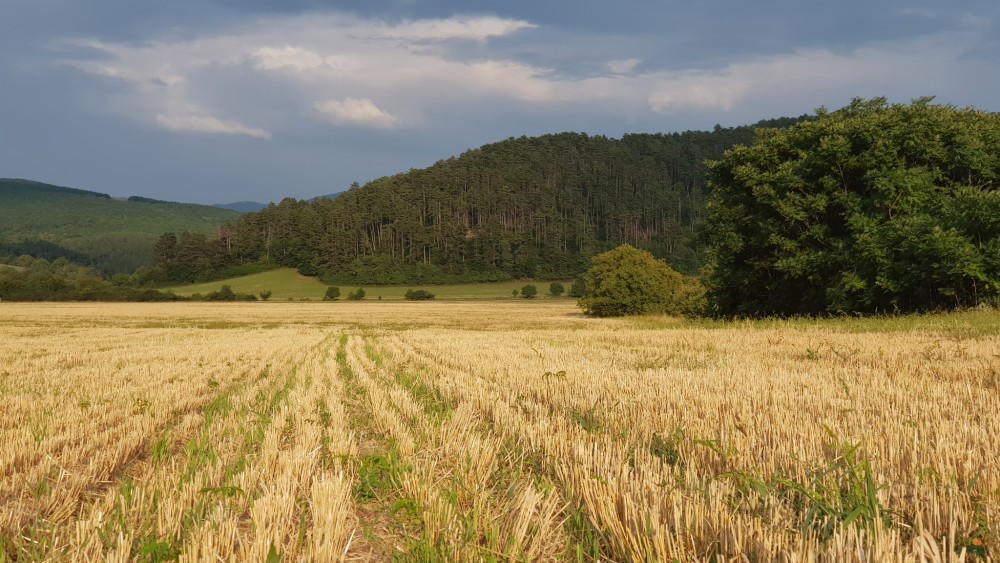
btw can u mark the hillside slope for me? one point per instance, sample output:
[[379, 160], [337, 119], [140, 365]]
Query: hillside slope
[[536, 207], [111, 235]]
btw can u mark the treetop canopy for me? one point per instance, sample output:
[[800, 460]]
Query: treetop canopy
[[875, 207]]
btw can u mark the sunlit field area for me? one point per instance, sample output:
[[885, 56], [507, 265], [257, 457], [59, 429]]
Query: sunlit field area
[[492, 430], [286, 283]]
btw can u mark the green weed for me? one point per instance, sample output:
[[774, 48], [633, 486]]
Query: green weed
[[586, 542], [160, 449], [156, 550], [667, 448], [378, 475]]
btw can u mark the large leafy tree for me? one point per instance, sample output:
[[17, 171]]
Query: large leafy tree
[[876, 207]]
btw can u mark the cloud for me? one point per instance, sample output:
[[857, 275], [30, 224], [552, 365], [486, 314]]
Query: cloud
[[356, 112], [808, 75], [286, 73], [208, 124], [478, 29], [325, 66], [624, 66]]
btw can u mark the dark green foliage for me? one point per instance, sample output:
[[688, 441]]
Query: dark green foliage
[[556, 289], [332, 294], [265, 295], [60, 280], [578, 289], [91, 229], [225, 293], [667, 448], [521, 208], [529, 292], [874, 208], [17, 184], [356, 295], [378, 475], [418, 295], [629, 281], [155, 551], [140, 199]]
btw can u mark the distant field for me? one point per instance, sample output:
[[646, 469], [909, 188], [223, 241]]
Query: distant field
[[491, 431], [286, 283]]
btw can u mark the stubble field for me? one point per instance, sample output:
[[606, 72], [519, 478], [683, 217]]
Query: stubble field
[[491, 431]]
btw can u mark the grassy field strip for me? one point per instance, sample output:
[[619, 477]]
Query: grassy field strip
[[299, 482], [457, 497], [334, 519], [472, 485], [386, 415], [725, 444], [93, 439], [191, 492], [287, 283], [187, 448]]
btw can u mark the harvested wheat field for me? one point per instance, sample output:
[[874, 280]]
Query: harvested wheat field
[[492, 431]]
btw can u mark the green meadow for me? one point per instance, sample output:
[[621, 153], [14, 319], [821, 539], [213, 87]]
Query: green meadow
[[286, 283]]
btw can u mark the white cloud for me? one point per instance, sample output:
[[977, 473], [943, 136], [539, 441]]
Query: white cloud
[[333, 64], [624, 66], [806, 75], [478, 29], [357, 112], [329, 68], [208, 124]]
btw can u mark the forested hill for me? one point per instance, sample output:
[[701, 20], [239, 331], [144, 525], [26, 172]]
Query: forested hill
[[526, 207], [91, 228]]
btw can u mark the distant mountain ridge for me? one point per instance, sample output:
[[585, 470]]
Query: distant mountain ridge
[[92, 228], [242, 206], [41, 187]]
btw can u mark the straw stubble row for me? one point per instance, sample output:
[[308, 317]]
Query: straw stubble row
[[498, 431]]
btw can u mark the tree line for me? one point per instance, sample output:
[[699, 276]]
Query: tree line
[[536, 207]]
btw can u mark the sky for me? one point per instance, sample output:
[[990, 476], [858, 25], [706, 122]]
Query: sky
[[215, 101]]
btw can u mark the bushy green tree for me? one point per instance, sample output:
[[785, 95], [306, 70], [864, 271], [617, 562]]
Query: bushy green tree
[[630, 281], [225, 293], [332, 293], [265, 295], [418, 295], [556, 289], [357, 295], [529, 291], [874, 208]]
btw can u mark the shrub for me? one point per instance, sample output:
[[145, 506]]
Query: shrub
[[356, 295], [629, 281], [529, 292], [556, 289], [225, 293], [332, 293], [418, 295], [265, 295], [578, 289]]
